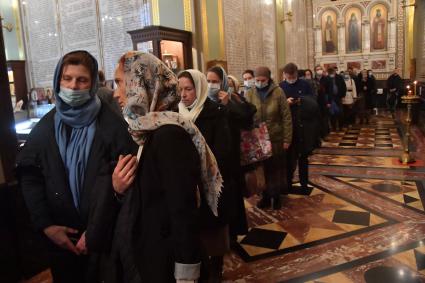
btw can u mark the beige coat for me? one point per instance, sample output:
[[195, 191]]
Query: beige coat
[[274, 110]]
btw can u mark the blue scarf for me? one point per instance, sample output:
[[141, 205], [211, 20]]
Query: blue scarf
[[75, 151]]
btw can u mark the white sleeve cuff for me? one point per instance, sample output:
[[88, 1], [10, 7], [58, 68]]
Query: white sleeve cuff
[[187, 271]]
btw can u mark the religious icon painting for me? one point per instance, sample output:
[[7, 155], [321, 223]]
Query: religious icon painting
[[353, 30], [379, 65], [378, 27], [329, 65], [329, 33], [354, 65]]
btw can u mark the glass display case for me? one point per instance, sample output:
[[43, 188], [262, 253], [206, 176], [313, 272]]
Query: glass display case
[[172, 46]]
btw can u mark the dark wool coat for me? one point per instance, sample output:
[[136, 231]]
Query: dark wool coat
[[158, 224], [214, 126], [45, 186], [240, 117]]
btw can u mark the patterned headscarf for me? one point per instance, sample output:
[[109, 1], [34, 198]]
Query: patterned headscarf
[[151, 89]]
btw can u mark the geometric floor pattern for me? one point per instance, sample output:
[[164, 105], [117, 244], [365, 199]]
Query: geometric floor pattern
[[408, 193], [304, 221], [362, 221], [358, 161], [362, 137], [406, 266]]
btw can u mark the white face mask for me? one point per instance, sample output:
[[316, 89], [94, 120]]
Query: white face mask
[[291, 82], [214, 86], [319, 72], [249, 83], [231, 90], [213, 90]]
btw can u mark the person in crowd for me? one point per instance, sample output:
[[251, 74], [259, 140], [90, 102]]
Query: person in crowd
[[305, 130], [107, 95], [365, 98], [248, 80], [371, 88], [395, 87], [308, 76], [211, 119], [157, 235], [234, 85], [354, 74], [348, 100], [272, 108], [241, 117], [322, 99], [65, 171], [336, 90]]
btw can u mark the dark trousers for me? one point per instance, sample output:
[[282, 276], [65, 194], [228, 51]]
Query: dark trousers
[[275, 175], [68, 268], [337, 121], [294, 157], [349, 114], [392, 101], [324, 127]]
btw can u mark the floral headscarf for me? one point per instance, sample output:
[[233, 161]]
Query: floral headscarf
[[151, 89]]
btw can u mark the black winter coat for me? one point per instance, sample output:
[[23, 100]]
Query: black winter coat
[[342, 89], [45, 186], [307, 125], [368, 93], [241, 117], [214, 126], [158, 224], [322, 94], [395, 82]]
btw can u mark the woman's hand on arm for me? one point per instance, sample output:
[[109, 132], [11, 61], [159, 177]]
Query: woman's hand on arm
[[124, 173]]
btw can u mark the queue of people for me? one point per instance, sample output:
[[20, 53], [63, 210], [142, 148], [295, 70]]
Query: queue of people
[[154, 191]]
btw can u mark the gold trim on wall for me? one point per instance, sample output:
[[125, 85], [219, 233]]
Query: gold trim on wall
[[187, 8], [205, 45], [100, 36], [221, 28], [155, 12], [410, 15], [21, 49]]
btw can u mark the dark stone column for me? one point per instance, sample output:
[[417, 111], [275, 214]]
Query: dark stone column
[[8, 140]]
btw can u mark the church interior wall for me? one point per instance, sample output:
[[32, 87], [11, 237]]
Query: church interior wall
[[360, 34]]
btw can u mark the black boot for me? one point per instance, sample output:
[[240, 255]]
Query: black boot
[[265, 202], [277, 204], [216, 269]]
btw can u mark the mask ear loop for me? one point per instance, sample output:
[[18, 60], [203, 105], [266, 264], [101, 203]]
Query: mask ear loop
[[139, 152]]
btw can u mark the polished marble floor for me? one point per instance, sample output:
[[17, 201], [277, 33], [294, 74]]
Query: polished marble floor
[[362, 220]]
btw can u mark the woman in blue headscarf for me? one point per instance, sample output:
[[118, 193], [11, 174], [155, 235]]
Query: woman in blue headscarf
[[65, 170]]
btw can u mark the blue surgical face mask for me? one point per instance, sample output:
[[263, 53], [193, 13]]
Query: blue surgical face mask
[[231, 90], [74, 98], [261, 85], [291, 82], [213, 90]]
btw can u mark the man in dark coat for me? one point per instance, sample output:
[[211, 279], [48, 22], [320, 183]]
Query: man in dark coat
[[336, 89], [395, 86], [304, 111], [65, 171], [322, 100]]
